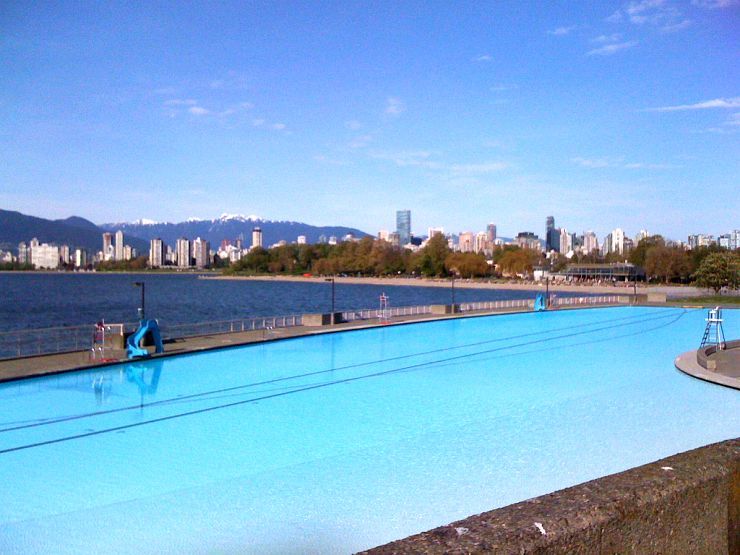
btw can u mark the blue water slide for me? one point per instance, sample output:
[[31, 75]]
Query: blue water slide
[[133, 343]]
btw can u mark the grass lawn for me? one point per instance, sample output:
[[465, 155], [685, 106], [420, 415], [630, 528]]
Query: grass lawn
[[709, 300]]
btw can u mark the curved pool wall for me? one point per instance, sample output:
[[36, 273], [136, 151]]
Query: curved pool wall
[[339, 442]]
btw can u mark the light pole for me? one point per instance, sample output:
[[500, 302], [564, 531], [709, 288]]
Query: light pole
[[453, 291], [143, 298], [547, 291], [332, 298]]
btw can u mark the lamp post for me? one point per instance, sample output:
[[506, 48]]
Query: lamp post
[[453, 291], [143, 298], [332, 297], [547, 291]]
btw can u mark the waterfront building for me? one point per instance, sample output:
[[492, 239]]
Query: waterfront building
[[403, 226], [614, 242], [129, 253], [301, 240], [64, 256], [45, 256], [201, 253], [332, 240], [256, 237], [24, 253], [108, 246], [700, 240], [183, 253], [80, 258], [119, 252], [6, 256], [322, 239], [156, 253]]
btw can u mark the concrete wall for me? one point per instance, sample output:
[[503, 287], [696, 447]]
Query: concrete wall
[[687, 503]]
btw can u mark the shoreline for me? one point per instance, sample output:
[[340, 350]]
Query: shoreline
[[669, 290]]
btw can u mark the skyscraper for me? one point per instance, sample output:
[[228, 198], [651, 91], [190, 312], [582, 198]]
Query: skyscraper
[[183, 253], [156, 253], [256, 237], [491, 231], [201, 253], [403, 226], [552, 235], [119, 246], [107, 246]]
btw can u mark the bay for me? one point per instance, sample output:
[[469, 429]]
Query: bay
[[37, 300]]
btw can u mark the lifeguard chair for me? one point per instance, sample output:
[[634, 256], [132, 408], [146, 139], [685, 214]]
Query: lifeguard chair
[[713, 333]]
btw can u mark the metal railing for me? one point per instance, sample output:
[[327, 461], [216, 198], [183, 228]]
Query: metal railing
[[385, 314], [196, 329], [32, 342]]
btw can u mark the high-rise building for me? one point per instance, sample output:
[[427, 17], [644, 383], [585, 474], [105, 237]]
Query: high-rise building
[[481, 242], [183, 253], [466, 241], [64, 254], [80, 258], [256, 237], [45, 256], [528, 240], [119, 253], [566, 242], [156, 253], [491, 231], [432, 231], [403, 226], [201, 253], [642, 234], [552, 235], [590, 242], [301, 240], [108, 246], [24, 253]]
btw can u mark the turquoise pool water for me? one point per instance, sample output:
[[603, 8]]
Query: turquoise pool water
[[344, 441]]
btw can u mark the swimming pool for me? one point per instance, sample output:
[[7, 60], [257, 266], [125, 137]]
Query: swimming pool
[[343, 441]]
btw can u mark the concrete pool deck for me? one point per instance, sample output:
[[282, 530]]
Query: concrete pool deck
[[40, 365], [727, 371]]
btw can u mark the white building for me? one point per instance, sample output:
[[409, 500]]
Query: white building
[[156, 253], [119, 250], [80, 258], [201, 253], [301, 240], [184, 254], [590, 242], [45, 256], [256, 237]]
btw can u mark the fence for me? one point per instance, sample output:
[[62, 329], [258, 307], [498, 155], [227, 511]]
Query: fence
[[24, 343]]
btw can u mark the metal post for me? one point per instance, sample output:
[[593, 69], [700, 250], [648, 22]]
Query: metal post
[[332, 297], [142, 309], [453, 292]]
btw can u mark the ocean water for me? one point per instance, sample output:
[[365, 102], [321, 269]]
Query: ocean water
[[31, 300], [339, 442]]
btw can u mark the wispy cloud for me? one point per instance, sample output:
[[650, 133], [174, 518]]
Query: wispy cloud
[[394, 106], [715, 4], [198, 111], [476, 169], [482, 58], [503, 87], [361, 141], [353, 124], [609, 49], [562, 31], [659, 13], [674, 27], [278, 126], [412, 158], [330, 161], [608, 162], [181, 102], [601, 39], [721, 103]]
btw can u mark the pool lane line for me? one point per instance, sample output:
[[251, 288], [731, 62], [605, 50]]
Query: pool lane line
[[284, 393], [204, 394]]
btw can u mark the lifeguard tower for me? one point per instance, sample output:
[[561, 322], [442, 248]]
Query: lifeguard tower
[[713, 333]]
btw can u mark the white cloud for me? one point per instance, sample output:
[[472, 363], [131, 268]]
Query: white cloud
[[705, 105], [181, 102], [610, 49], [394, 106], [353, 124], [259, 122], [607, 162], [657, 12], [198, 111], [482, 58], [561, 31], [413, 158], [485, 167], [278, 126], [326, 160], [714, 4], [601, 39], [673, 27], [503, 87], [616, 17]]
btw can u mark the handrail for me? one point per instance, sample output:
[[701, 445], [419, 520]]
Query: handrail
[[63, 339]]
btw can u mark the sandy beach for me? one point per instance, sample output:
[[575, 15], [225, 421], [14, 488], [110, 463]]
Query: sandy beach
[[672, 291]]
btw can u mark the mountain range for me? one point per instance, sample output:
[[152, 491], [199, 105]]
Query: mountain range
[[79, 232]]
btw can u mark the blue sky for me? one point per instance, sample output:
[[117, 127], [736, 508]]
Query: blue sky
[[602, 114]]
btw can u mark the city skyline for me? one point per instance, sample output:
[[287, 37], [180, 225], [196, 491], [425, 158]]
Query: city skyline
[[614, 115]]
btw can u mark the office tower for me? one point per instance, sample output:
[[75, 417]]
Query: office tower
[[183, 253], [552, 235], [491, 231], [107, 246], [565, 241], [156, 253], [403, 226], [383, 235], [481, 242], [119, 254], [201, 253], [256, 237]]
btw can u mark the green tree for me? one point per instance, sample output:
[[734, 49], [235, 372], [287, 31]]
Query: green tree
[[430, 261], [719, 270], [466, 264], [638, 255]]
